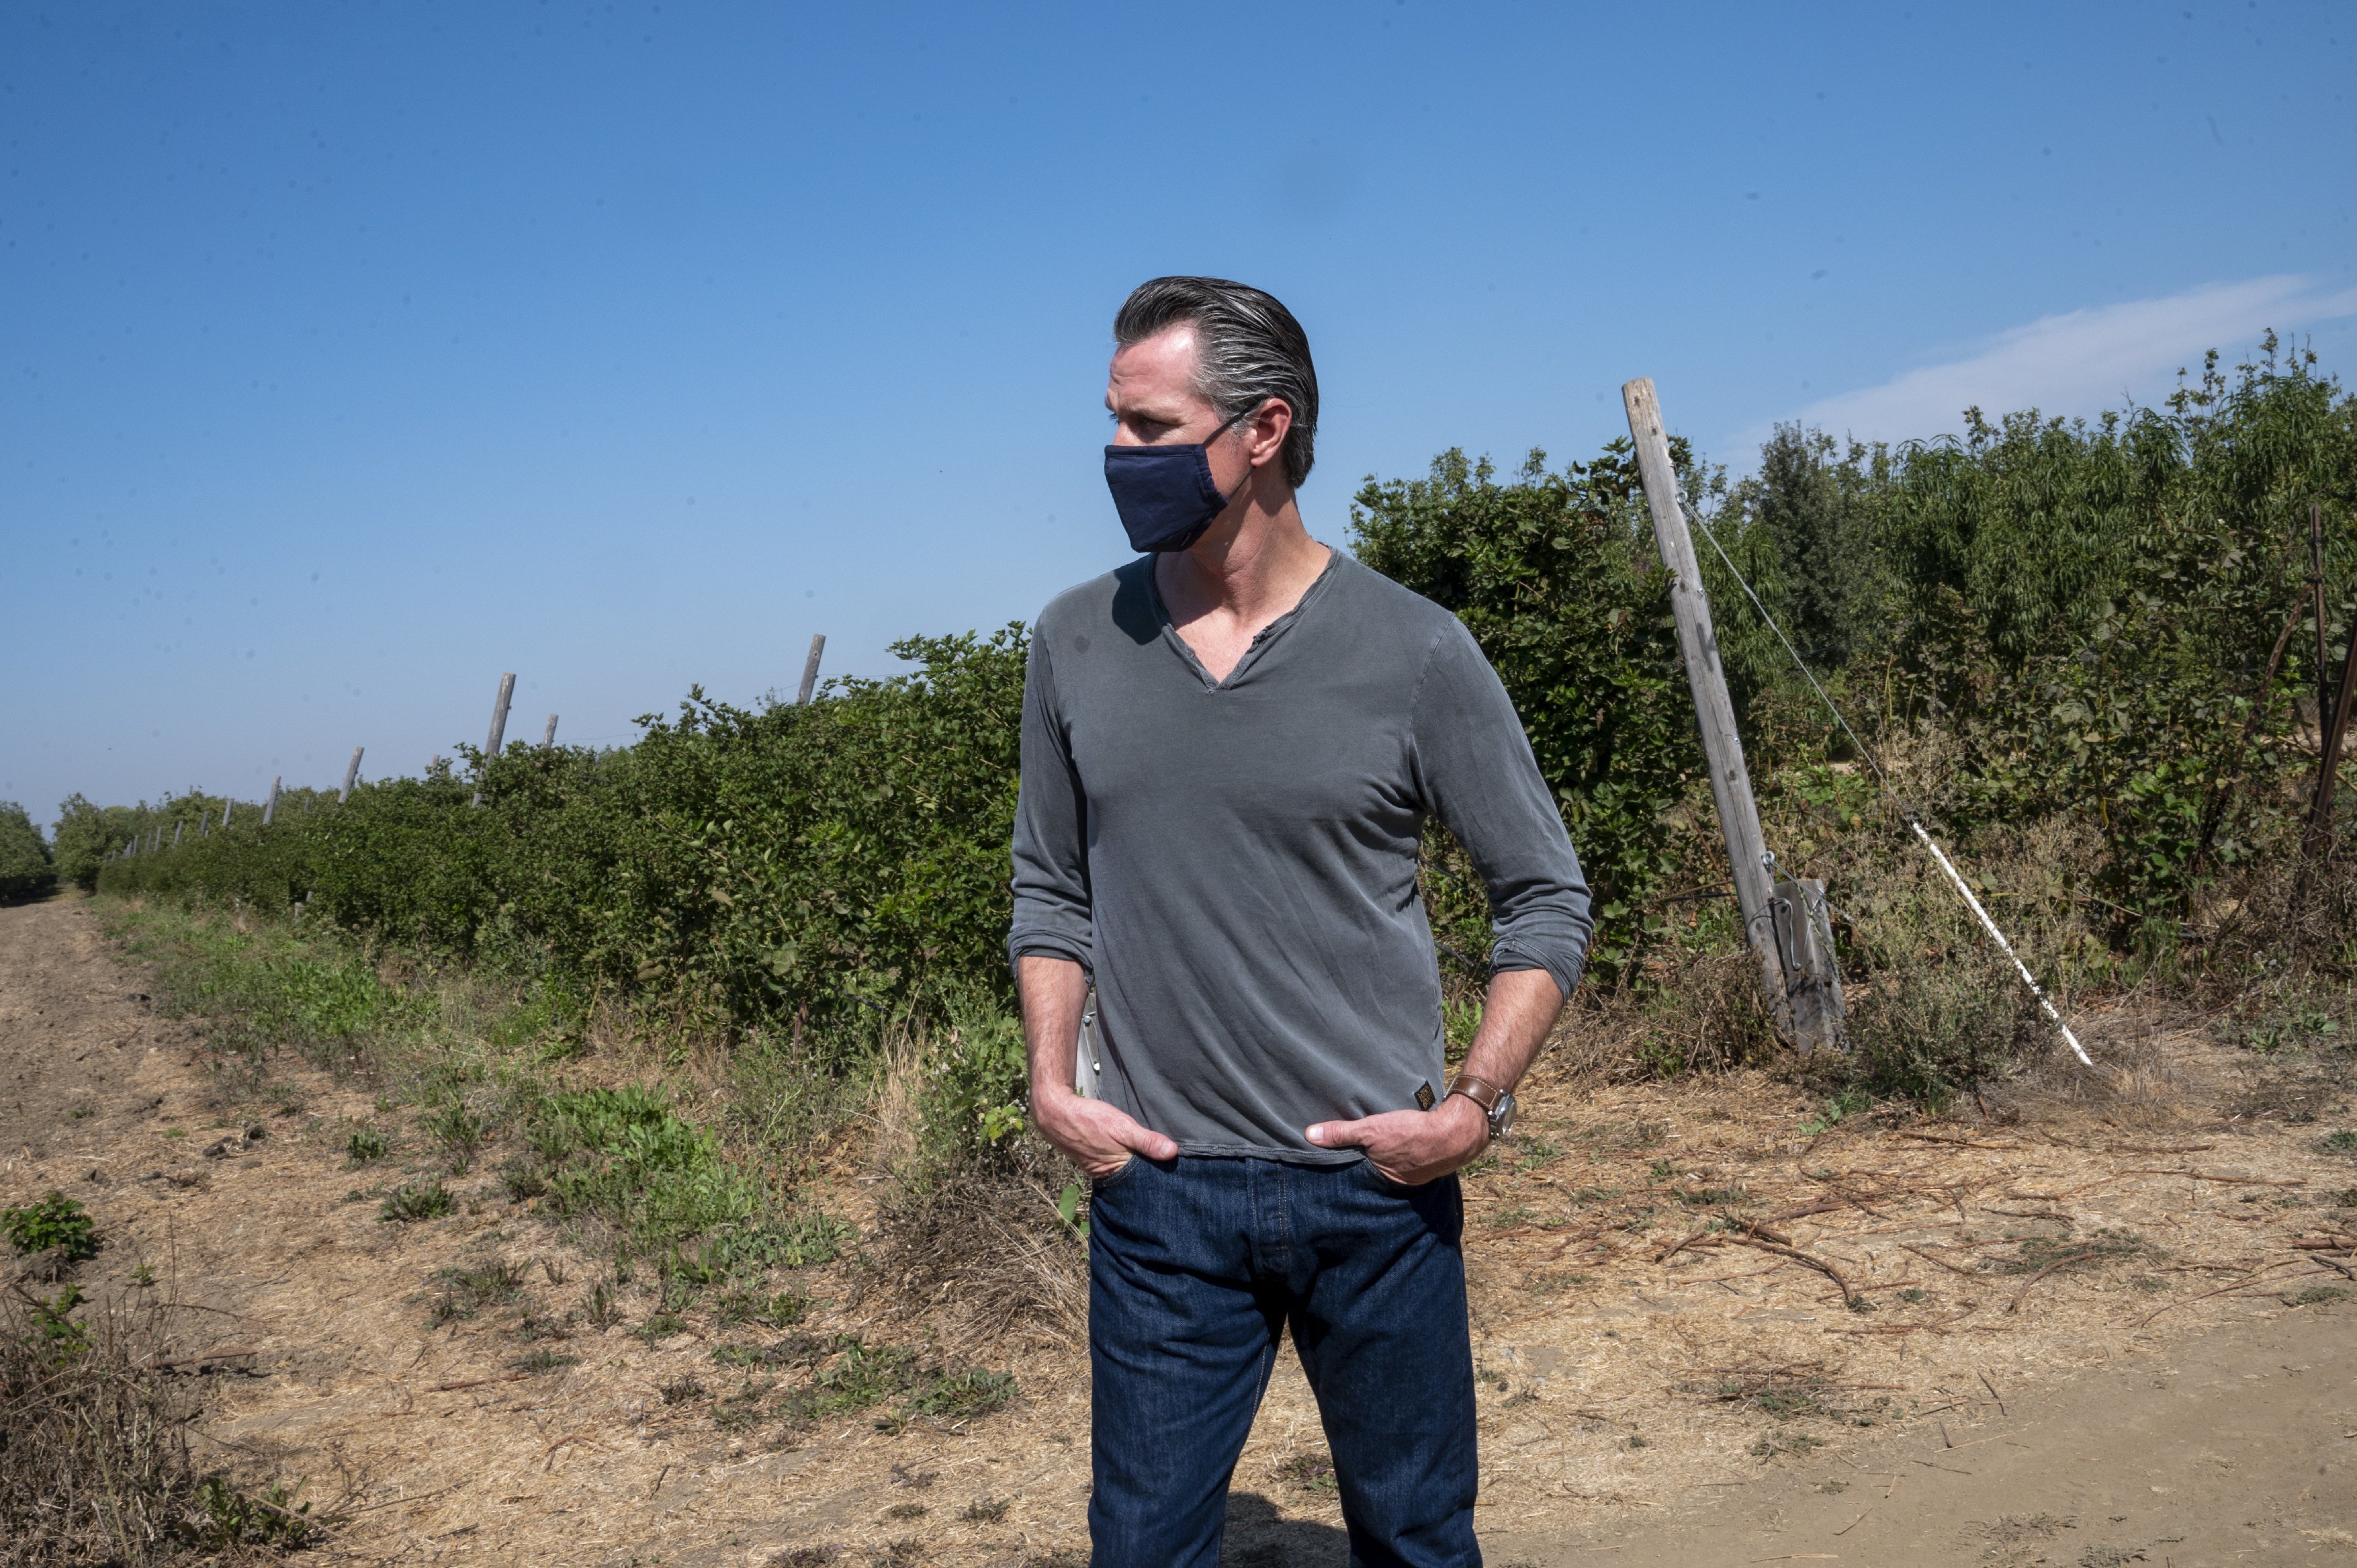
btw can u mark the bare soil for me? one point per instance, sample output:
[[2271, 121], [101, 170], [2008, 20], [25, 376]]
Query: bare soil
[[2073, 1328]]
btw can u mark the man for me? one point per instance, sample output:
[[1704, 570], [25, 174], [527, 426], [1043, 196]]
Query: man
[[1229, 747]]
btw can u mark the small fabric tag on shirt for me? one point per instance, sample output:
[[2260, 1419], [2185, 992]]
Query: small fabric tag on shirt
[[1424, 1097]]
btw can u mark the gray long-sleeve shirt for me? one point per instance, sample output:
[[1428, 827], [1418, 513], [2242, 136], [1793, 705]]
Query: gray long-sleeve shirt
[[1234, 861]]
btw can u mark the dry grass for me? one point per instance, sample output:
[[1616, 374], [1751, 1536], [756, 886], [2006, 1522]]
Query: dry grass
[[94, 1467], [96, 1400], [986, 1252]]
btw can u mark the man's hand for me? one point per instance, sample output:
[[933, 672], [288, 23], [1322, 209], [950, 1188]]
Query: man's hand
[[1094, 1135], [1411, 1147], [1089, 1132]]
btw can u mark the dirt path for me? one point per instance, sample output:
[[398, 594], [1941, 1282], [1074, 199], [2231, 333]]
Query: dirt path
[[1643, 1403], [2239, 1446]]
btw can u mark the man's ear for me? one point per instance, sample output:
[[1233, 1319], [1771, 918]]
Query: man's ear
[[1265, 432]]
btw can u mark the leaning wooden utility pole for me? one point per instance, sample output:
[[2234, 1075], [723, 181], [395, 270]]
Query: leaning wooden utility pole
[[810, 670], [499, 728], [1730, 782], [351, 775]]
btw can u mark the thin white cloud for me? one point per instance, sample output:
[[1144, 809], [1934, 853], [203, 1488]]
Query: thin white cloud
[[2078, 362]]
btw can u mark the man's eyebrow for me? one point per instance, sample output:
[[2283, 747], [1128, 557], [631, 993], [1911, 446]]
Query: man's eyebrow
[[1146, 413]]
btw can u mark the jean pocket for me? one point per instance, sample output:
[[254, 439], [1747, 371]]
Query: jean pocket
[[1120, 1173], [1384, 1184]]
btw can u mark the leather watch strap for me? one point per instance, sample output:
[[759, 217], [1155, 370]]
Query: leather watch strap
[[1479, 1090]]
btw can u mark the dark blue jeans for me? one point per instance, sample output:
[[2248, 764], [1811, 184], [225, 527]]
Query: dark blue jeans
[[1196, 1266]]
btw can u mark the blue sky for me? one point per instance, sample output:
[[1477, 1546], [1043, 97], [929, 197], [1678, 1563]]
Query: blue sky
[[351, 354]]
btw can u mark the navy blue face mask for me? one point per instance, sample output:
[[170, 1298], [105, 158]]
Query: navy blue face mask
[[1165, 495]]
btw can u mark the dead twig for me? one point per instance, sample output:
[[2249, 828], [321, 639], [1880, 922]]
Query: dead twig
[[1804, 1258], [2223, 1180], [1957, 1143], [476, 1382], [2205, 1296], [2064, 1262], [1930, 1258]]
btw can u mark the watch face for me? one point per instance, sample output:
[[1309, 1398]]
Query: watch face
[[1501, 1120]]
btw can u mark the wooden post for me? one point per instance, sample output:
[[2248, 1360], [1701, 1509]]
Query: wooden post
[[351, 775], [2315, 587], [548, 736], [1730, 782], [204, 821], [178, 827], [270, 807], [2332, 730], [499, 727], [810, 670], [226, 806], [1804, 945]]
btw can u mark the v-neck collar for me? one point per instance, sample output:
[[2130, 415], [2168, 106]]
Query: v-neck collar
[[1262, 639]]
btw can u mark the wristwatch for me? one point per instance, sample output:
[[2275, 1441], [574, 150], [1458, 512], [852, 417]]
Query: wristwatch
[[1495, 1102]]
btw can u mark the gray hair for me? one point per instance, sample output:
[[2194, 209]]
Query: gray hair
[[1249, 348]]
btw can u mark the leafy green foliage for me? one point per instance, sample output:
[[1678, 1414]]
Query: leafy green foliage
[[974, 1094], [2086, 610], [624, 1156], [55, 1220], [58, 1337], [26, 870], [804, 867], [227, 1518]]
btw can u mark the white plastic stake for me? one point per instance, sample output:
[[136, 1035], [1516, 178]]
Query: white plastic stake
[[2002, 945]]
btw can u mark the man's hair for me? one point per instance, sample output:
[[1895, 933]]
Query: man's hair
[[1249, 348]]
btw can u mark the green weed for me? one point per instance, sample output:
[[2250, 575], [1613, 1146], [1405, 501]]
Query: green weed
[[365, 1146], [56, 1221], [431, 1200], [961, 1396], [461, 1133], [659, 1325]]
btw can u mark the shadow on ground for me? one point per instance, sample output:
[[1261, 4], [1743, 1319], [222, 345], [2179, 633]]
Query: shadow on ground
[[1259, 1537]]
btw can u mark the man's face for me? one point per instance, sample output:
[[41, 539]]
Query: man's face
[[1151, 394]]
